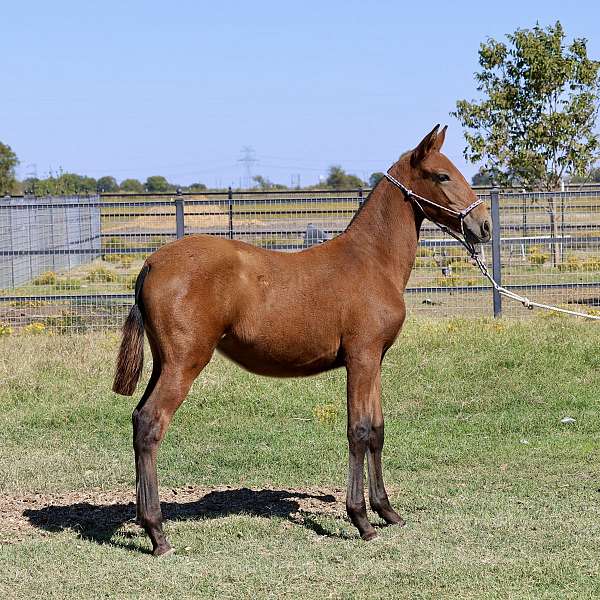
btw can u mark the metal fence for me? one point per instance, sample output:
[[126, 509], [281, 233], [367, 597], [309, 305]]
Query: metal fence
[[69, 264]]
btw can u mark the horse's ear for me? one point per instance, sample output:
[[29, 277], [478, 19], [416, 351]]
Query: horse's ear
[[425, 146], [439, 140]]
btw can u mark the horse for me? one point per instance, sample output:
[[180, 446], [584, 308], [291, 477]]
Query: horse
[[337, 304]]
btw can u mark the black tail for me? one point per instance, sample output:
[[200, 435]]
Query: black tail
[[131, 352]]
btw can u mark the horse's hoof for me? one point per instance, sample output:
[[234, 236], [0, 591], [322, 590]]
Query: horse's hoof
[[369, 535], [395, 520], [163, 552]]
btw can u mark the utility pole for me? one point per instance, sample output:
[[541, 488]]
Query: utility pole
[[248, 160]]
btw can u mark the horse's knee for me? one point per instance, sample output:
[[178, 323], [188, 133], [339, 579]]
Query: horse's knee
[[360, 431]]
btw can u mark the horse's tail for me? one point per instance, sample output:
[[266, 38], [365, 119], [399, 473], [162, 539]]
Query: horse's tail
[[131, 352]]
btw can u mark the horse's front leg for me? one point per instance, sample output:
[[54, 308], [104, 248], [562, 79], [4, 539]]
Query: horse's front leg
[[363, 373], [378, 497]]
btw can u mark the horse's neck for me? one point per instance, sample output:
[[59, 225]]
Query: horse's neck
[[387, 229]]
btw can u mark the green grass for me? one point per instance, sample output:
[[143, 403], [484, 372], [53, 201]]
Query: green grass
[[501, 499]]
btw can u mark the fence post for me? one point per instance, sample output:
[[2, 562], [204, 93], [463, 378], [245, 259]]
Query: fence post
[[230, 204], [179, 215], [496, 250]]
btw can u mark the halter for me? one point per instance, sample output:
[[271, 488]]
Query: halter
[[461, 214]]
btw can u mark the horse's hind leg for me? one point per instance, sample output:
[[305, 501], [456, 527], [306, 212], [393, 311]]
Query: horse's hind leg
[[378, 497], [150, 422]]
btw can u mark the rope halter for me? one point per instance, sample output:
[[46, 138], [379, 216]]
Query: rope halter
[[460, 214]]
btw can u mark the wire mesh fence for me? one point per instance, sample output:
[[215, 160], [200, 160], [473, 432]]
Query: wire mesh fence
[[70, 264]]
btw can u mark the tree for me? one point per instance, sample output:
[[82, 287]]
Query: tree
[[72, 183], [8, 162], [592, 176], [483, 177], [107, 184], [157, 183], [375, 178], [197, 187], [132, 185], [536, 121], [264, 183], [338, 179]]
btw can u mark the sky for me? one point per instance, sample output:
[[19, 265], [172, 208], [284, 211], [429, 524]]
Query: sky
[[132, 88]]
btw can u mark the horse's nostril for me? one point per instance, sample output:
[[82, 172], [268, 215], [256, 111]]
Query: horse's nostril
[[486, 228]]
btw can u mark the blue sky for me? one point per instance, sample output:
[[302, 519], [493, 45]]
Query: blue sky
[[177, 88]]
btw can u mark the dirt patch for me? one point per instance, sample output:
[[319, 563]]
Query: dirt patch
[[98, 515]]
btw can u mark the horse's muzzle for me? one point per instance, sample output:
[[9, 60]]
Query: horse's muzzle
[[477, 231]]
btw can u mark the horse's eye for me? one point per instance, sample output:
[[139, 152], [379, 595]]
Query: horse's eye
[[442, 177]]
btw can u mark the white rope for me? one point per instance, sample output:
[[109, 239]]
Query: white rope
[[526, 302]]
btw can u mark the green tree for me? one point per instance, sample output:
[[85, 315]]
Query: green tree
[[483, 177], [264, 183], [592, 176], [197, 187], [132, 185], [107, 184], [157, 183], [72, 183], [375, 178], [338, 179], [8, 162], [535, 123]]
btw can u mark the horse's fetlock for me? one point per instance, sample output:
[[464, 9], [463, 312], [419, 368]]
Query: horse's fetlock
[[354, 508]]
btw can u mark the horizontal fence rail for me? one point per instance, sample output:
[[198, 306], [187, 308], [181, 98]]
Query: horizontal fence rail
[[69, 264]]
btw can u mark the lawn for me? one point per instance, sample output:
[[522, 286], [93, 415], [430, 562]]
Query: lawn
[[500, 497]]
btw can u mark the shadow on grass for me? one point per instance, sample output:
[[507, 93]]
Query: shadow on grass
[[99, 523]]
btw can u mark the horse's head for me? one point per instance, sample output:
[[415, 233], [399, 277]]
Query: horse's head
[[430, 174]]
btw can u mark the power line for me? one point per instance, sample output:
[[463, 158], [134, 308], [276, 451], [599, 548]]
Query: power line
[[248, 159]]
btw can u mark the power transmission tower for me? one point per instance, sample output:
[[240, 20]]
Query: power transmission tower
[[248, 159]]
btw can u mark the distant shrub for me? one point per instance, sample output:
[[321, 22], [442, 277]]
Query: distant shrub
[[424, 251], [591, 264], [111, 258], [114, 243], [457, 253], [460, 266], [68, 284], [157, 241], [101, 274], [27, 303], [423, 262], [5, 329], [34, 328], [455, 281], [66, 323], [126, 260], [129, 281], [536, 256], [47, 278]]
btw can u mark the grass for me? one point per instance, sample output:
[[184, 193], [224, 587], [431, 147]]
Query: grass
[[501, 499]]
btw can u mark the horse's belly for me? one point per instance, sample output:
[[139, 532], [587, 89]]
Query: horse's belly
[[278, 359]]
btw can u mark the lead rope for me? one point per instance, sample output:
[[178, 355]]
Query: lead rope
[[526, 302]]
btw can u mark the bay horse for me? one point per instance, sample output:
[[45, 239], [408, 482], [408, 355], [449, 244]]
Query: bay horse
[[338, 304]]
